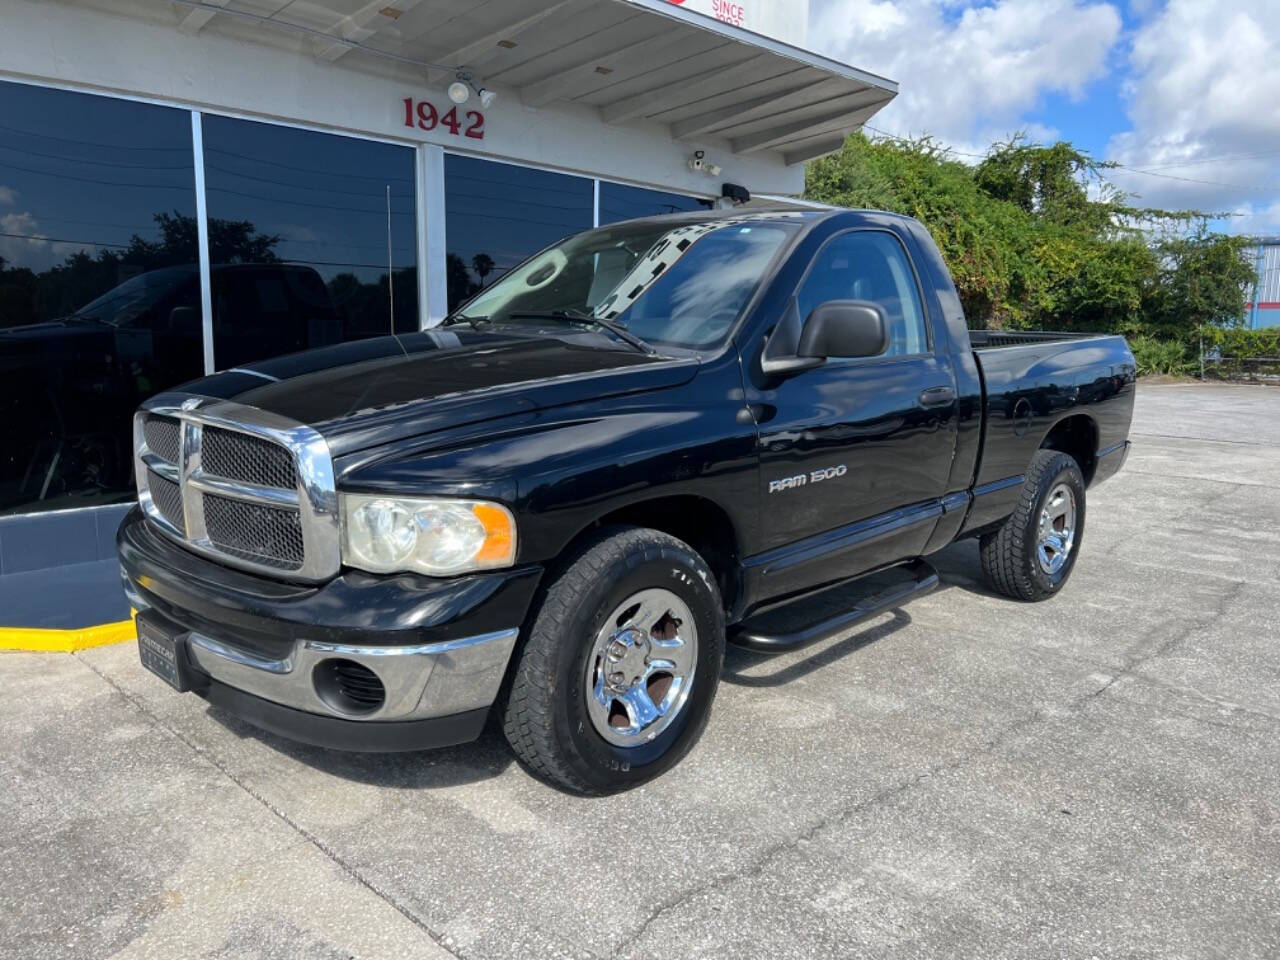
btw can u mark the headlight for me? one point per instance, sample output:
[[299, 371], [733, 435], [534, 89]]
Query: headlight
[[436, 537]]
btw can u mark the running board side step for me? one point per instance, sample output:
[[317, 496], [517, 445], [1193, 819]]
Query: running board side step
[[823, 614]]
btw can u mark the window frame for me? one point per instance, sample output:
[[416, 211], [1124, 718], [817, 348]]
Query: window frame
[[930, 341]]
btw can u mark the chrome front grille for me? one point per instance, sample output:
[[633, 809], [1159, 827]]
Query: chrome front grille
[[269, 535], [250, 488], [167, 497], [163, 436], [238, 456]]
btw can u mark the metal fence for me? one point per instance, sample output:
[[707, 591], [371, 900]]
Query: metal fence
[[1251, 369]]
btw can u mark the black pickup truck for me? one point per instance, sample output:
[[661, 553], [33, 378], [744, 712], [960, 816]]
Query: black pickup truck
[[558, 505]]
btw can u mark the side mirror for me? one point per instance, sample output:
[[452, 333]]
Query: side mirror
[[184, 320], [844, 328]]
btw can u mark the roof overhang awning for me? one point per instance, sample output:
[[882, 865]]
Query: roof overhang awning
[[635, 61]]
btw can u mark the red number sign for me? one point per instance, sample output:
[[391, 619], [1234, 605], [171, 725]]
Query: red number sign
[[424, 115]]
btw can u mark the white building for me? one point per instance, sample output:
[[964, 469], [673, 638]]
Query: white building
[[189, 185]]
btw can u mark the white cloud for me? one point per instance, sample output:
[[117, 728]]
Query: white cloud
[[1203, 100], [21, 243], [24, 244], [8, 196], [969, 72]]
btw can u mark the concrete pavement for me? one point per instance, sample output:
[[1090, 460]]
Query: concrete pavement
[[1095, 776]]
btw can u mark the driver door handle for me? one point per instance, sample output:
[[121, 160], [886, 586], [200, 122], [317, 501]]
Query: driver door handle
[[937, 396]]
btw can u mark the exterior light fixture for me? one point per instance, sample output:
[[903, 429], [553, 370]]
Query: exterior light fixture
[[460, 90]]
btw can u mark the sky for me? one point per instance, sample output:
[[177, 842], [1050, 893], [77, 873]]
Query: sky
[[1185, 91]]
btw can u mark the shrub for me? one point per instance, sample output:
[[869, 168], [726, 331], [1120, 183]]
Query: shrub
[[1167, 357], [1244, 344]]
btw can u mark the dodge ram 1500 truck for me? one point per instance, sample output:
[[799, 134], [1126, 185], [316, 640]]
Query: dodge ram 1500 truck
[[559, 504]]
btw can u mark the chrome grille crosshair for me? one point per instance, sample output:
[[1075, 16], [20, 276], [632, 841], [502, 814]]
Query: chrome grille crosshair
[[247, 487]]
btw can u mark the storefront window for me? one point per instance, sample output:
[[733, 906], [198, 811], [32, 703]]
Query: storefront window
[[497, 214], [305, 229], [621, 202], [99, 288]]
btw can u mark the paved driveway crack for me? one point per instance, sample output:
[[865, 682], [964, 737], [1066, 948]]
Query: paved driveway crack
[[761, 861], [769, 854], [441, 940], [1178, 637]]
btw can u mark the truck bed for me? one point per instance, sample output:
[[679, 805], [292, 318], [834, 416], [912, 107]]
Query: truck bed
[[1016, 338], [1032, 382]]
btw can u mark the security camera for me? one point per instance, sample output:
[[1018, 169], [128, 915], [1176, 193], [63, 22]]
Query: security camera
[[698, 161]]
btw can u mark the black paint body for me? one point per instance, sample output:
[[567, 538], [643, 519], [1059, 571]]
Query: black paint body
[[574, 430]]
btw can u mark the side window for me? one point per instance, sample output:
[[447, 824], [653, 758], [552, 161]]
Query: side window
[[870, 265]]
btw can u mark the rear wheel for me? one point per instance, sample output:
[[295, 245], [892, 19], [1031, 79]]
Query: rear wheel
[[620, 666], [1034, 551]]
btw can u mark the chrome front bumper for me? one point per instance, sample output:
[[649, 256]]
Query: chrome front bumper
[[428, 680]]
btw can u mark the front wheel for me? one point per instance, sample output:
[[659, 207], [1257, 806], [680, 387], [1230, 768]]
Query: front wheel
[[1034, 551], [620, 666]]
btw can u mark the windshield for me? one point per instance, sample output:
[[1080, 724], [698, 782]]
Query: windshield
[[123, 304], [680, 283]]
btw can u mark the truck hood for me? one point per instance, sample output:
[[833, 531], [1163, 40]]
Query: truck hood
[[370, 392]]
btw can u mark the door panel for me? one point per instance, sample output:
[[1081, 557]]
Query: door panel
[[855, 454]]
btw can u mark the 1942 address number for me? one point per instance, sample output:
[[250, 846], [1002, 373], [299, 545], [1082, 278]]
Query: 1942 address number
[[424, 115]]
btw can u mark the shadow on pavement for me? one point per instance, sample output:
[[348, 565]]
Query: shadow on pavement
[[958, 566], [489, 755], [737, 659], [482, 759]]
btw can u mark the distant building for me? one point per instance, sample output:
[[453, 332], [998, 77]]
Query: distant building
[[1263, 308]]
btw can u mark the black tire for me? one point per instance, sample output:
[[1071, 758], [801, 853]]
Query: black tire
[[544, 711], [1009, 554]]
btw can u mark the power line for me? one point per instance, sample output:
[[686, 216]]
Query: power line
[[186, 147], [96, 163], [1117, 166], [191, 190], [1203, 160], [329, 173], [1211, 183], [107, 183], [296, 186], [33, 238]]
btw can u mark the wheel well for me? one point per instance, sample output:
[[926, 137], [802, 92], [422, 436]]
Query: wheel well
[[1076, 436], [699, 522]]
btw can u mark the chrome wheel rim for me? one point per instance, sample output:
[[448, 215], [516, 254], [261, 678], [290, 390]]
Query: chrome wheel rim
[[641, 666], [1056, 533]]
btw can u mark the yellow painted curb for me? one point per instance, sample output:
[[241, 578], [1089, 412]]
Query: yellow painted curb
[[35, 640]]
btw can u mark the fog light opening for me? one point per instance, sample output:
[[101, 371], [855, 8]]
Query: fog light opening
[[348, 687]]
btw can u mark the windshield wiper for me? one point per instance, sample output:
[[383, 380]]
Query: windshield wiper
[[476, 322], [573, 316]]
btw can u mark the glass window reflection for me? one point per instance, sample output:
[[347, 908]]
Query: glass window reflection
[[304, 230], [497, 214], [618, 201], [99, 289]]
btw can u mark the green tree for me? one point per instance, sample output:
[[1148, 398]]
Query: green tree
[[1204, 282], [1036, 237], [482, 264]]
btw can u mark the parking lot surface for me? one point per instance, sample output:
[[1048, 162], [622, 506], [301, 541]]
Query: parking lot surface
[[1095, 776]]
